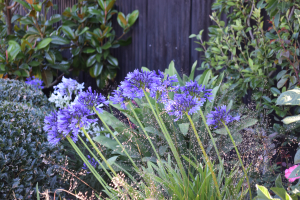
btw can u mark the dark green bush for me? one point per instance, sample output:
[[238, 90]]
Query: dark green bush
[[25, 155]]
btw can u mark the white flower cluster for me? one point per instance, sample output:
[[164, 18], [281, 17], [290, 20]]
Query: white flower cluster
[[62, 94]]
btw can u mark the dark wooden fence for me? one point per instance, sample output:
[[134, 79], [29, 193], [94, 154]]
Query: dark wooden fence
[[160, 35]]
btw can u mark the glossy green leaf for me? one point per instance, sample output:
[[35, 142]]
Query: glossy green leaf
[[263, 193], [50, 56], [13, 49], [291, 119], [133, 17], [96, 70], [44, 43], [297, 158], [291, 97], [107, 45], [112, 60], [23, 3], [53, 19], [88, 50], [91, 60], [68, 31], [59, 40]]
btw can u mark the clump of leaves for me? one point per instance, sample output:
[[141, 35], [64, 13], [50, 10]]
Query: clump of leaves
[[26, 157], [86, 29]]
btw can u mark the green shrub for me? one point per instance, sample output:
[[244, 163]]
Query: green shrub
[[25, 155]]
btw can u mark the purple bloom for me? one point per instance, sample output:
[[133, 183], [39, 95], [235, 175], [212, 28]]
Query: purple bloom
[[136, 81], [35, 82], [194, 89], [72, 118], [91, 99], [118, 98], [165, 86], [216, 117], [67, 87], [50, 127], [92, 161], [181, 104]]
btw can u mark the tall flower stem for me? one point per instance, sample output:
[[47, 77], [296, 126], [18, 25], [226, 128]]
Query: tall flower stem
[[142, 127], [211, 137], [88, 164], [119, 143], [97, 150], [237, 152], [168, 138], [95, 157], [205, 156]]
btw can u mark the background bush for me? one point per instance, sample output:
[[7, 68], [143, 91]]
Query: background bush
[[25, 155]]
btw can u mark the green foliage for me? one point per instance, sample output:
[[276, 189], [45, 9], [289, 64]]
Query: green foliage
[[86, 29], [280, 192], [166, 176], [25, 155], [262, 62]]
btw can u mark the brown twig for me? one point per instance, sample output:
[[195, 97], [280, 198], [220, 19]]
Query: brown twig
[[12, 6]]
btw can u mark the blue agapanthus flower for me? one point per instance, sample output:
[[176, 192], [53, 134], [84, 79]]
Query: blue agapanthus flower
[[133, 85], [67, 87], [91, 99], [220, 114], [135, 82], [50, 127], [92, 161], [72, 118], [194, 89], [35, 82], [165, 86], [181, 104], [119, 98]]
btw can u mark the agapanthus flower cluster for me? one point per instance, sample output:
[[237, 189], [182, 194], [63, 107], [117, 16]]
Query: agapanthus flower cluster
[[194, 89], [72, 118], [91, 99], [92, 161], [137, 81], [188, 99], [62, 94], [68, 121], [35, 82], [182, 104], [67, 87], [215, 118], [166, 85]]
